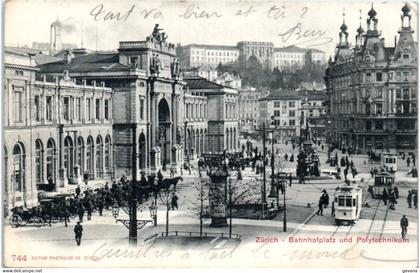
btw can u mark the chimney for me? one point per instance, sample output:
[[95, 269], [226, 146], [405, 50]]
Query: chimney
[[67, 56], [395, 41]]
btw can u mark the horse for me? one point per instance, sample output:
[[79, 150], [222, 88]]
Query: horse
[[167, 182]]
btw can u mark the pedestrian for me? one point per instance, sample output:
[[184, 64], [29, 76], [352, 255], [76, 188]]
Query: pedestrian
[[282, 188], [332, 209], [404, 225], [371, 173], [100, 204], [392, 201], [396, 192], [86, 177], [408, 162], [78, 230], [345, 174], [415, 200], [320, 207], [409, 199], [326, 198], [65, 213], [370, 190], [290, 180], [77, 191], [174, 201], [384, 196], [80, 211]]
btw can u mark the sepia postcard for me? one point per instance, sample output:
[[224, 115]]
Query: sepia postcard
[[211, 133]]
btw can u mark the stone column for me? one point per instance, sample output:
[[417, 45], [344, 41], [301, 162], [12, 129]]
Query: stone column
[[77, 175], [62, 178]]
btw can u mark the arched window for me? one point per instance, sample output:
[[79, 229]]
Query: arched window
[[39, 162], [19, 167], [227, 139], [89, 155], [99, 157], [206, 141], [51, 160], [197, 143], [81, 154], [68, 156], [107, 153]]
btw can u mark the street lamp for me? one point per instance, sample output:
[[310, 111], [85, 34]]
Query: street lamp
[[115, 211], [153, 213], [284, 183], [273, 192]]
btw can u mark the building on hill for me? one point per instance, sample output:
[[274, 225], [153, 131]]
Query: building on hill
[[196, 55], [292, 58], [372, 89], [228, 79], [206, 71]]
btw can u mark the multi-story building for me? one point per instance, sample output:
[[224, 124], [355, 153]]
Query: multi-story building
[[144, 76], [62, 123], [290, 58], [196, 55], [263, 51], [222, 113], [372, 89], [54, 132], [207, 72], [281, 112], [293, 57], [313, 113], [249, 110], [230, 80], [195, 123]]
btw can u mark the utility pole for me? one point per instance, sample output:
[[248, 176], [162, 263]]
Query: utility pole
[[230, 207], [133, 199], [284, 206], [264, 165], [273, 193]]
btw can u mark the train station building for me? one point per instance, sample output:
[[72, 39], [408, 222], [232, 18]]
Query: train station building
[[78, 118]]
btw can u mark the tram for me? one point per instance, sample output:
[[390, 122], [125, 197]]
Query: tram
[[347, 203], [383, 180], [389, 161]]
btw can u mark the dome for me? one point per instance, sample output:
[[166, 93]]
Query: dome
[[406, 8], [360, 30], [372, 12], [343, 27], [56, 23]]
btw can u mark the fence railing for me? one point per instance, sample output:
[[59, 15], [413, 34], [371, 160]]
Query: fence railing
[[177, 233]]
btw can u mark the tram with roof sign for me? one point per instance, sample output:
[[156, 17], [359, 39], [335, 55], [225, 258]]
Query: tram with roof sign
[[347, 203]]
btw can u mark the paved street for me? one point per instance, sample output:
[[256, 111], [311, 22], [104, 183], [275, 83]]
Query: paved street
[[377, 221]]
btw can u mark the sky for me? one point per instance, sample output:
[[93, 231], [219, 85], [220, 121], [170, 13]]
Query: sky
[[222, 22]]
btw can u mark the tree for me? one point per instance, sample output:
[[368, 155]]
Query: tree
[[165, 198], [201, 204]]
